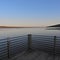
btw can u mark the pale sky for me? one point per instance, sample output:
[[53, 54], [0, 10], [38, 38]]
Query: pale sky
[[29, 12]]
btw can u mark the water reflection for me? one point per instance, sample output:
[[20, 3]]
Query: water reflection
[[9, 32]]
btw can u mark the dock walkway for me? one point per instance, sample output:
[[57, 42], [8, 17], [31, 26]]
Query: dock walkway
[[35, 55]]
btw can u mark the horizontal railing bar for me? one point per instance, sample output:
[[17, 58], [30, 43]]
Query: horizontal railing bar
[[43, 44], [3, 41], [20, 43], [20, 49], [51, 49], [3, 57], [3, 44], [41, 38], [2, 47], [17, 40], [17, 37], [13, 48], [58, 40], [42, 35], [21, 35], [42, 41], [44, 48], [3, 52], [58, 37], [17, 45], [58, 44], [13, 37]]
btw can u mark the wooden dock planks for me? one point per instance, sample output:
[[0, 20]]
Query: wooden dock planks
[[35, 55]]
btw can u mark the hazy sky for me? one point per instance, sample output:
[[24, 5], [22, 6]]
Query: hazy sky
[[29, 12]]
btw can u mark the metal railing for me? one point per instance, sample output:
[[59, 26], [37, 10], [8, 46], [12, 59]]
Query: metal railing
[[9, 47], [43, 42]]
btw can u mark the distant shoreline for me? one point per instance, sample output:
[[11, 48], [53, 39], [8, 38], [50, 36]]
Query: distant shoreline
[[21, 27], [57, 25], [18, 27]]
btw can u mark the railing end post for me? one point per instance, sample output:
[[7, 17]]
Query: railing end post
[[29, 41], [8, 49], [54, 49]]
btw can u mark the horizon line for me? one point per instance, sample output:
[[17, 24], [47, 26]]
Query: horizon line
[[19, 26]]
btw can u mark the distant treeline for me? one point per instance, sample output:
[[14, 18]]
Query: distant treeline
[[58, 25], [16, 27], [9, 27]]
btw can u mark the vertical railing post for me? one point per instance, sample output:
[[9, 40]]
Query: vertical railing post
[[8, 48], [29, 41], [54, 49]]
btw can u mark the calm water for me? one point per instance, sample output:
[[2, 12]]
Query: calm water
[[20, 44], [11, 32]]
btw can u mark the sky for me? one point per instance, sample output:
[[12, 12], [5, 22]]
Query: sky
[[29, 12]]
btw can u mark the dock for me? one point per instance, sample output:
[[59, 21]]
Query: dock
[[30, 47], [35, 55]]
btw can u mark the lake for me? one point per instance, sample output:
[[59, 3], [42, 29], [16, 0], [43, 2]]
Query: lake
[[20, 43], [11, 32]]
